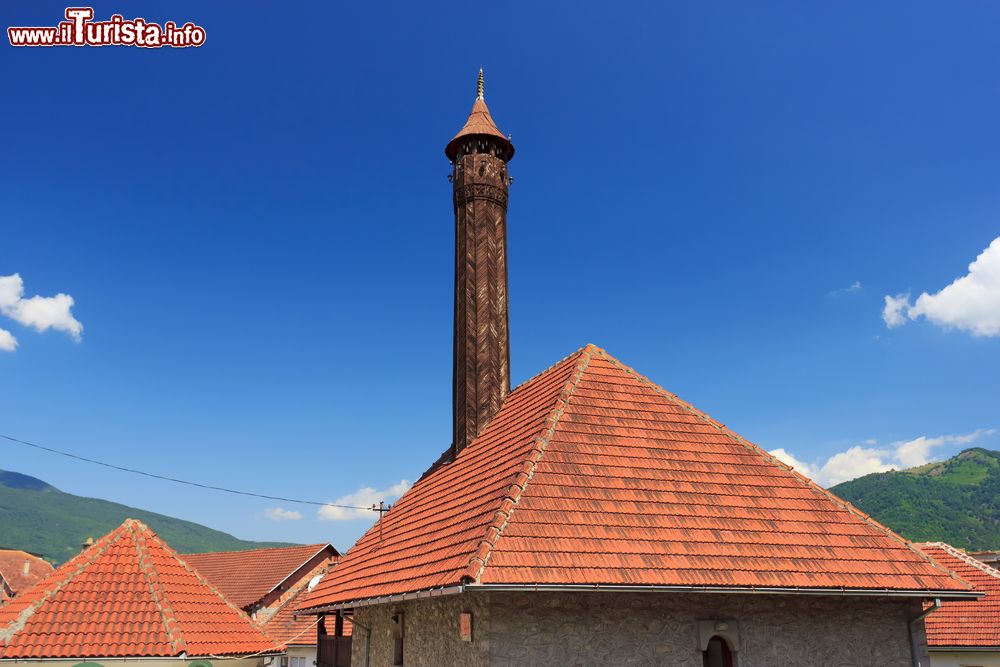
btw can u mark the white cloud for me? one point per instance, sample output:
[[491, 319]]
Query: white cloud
[[853, 287], [39, 312], [865, 459], [970, 303], [854, 462], [11, 289], [365, 497], [894, 310], [916, 452], [281, 514], [803, 467], [7, 341]]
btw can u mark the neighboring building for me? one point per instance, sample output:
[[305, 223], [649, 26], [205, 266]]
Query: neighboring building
[[590, 517], [991, 558], [297, 633], [20, 570], [965, 634], [129, 597], [266, 584]]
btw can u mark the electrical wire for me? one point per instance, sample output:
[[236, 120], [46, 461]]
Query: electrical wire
[[179, 481]]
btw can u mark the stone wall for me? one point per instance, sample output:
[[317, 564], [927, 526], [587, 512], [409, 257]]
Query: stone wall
[[965, 658], [662, 629], [582, 629], [431, 636]]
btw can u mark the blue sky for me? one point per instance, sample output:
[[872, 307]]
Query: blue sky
[[257, 234]]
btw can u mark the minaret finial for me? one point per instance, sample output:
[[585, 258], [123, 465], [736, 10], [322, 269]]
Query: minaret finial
[[479, 86]]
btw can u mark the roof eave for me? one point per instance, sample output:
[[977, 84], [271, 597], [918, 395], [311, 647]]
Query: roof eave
[[962, 649], [383, 599], [742, 590], [451, 150], [603, 588]]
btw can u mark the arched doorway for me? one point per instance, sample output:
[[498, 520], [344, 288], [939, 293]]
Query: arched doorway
[[718, 653]]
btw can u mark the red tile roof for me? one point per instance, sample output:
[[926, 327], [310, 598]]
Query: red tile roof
[[12, 566], [960, 623], [280, 622], [592, 475], [247, 577], [479, 123], [129, 595]]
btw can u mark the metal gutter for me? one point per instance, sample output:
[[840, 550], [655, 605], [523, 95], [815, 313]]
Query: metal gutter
[[600, 588], [964, 649], [368, 638], [768, 590], [914, 644]]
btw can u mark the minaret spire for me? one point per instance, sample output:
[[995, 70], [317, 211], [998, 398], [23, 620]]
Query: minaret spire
[[479, 154]]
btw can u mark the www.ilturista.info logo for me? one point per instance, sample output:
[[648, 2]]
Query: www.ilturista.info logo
[[79, 29]]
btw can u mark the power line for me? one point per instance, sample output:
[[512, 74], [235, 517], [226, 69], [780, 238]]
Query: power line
[[180, 481]]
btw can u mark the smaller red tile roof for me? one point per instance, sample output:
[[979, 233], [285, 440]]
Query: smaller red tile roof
[[280, 621], [247, 577], [128, 596], [959, 623], [480, 123], [12, 569]]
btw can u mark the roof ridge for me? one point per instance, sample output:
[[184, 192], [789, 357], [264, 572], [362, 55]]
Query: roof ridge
[[507, 504], [962, 556], [771, 458], [139, 532], [246, 551], [91, 555], [446, 457]]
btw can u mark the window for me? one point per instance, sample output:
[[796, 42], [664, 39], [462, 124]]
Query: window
[[397, 638], [717, 654]]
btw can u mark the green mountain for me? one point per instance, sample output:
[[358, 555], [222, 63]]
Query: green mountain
[[37, 517], [955, 501]]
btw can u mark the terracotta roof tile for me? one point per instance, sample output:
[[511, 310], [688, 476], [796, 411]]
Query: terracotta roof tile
[[12, 569], [592, 475], [246, 577], [961, 623], [129, 595]]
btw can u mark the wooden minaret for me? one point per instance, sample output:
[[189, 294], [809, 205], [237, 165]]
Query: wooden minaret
[[479, 154]]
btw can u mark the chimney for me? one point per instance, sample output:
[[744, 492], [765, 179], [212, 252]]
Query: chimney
[[479, 154], [87, 543], [27, 567]]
